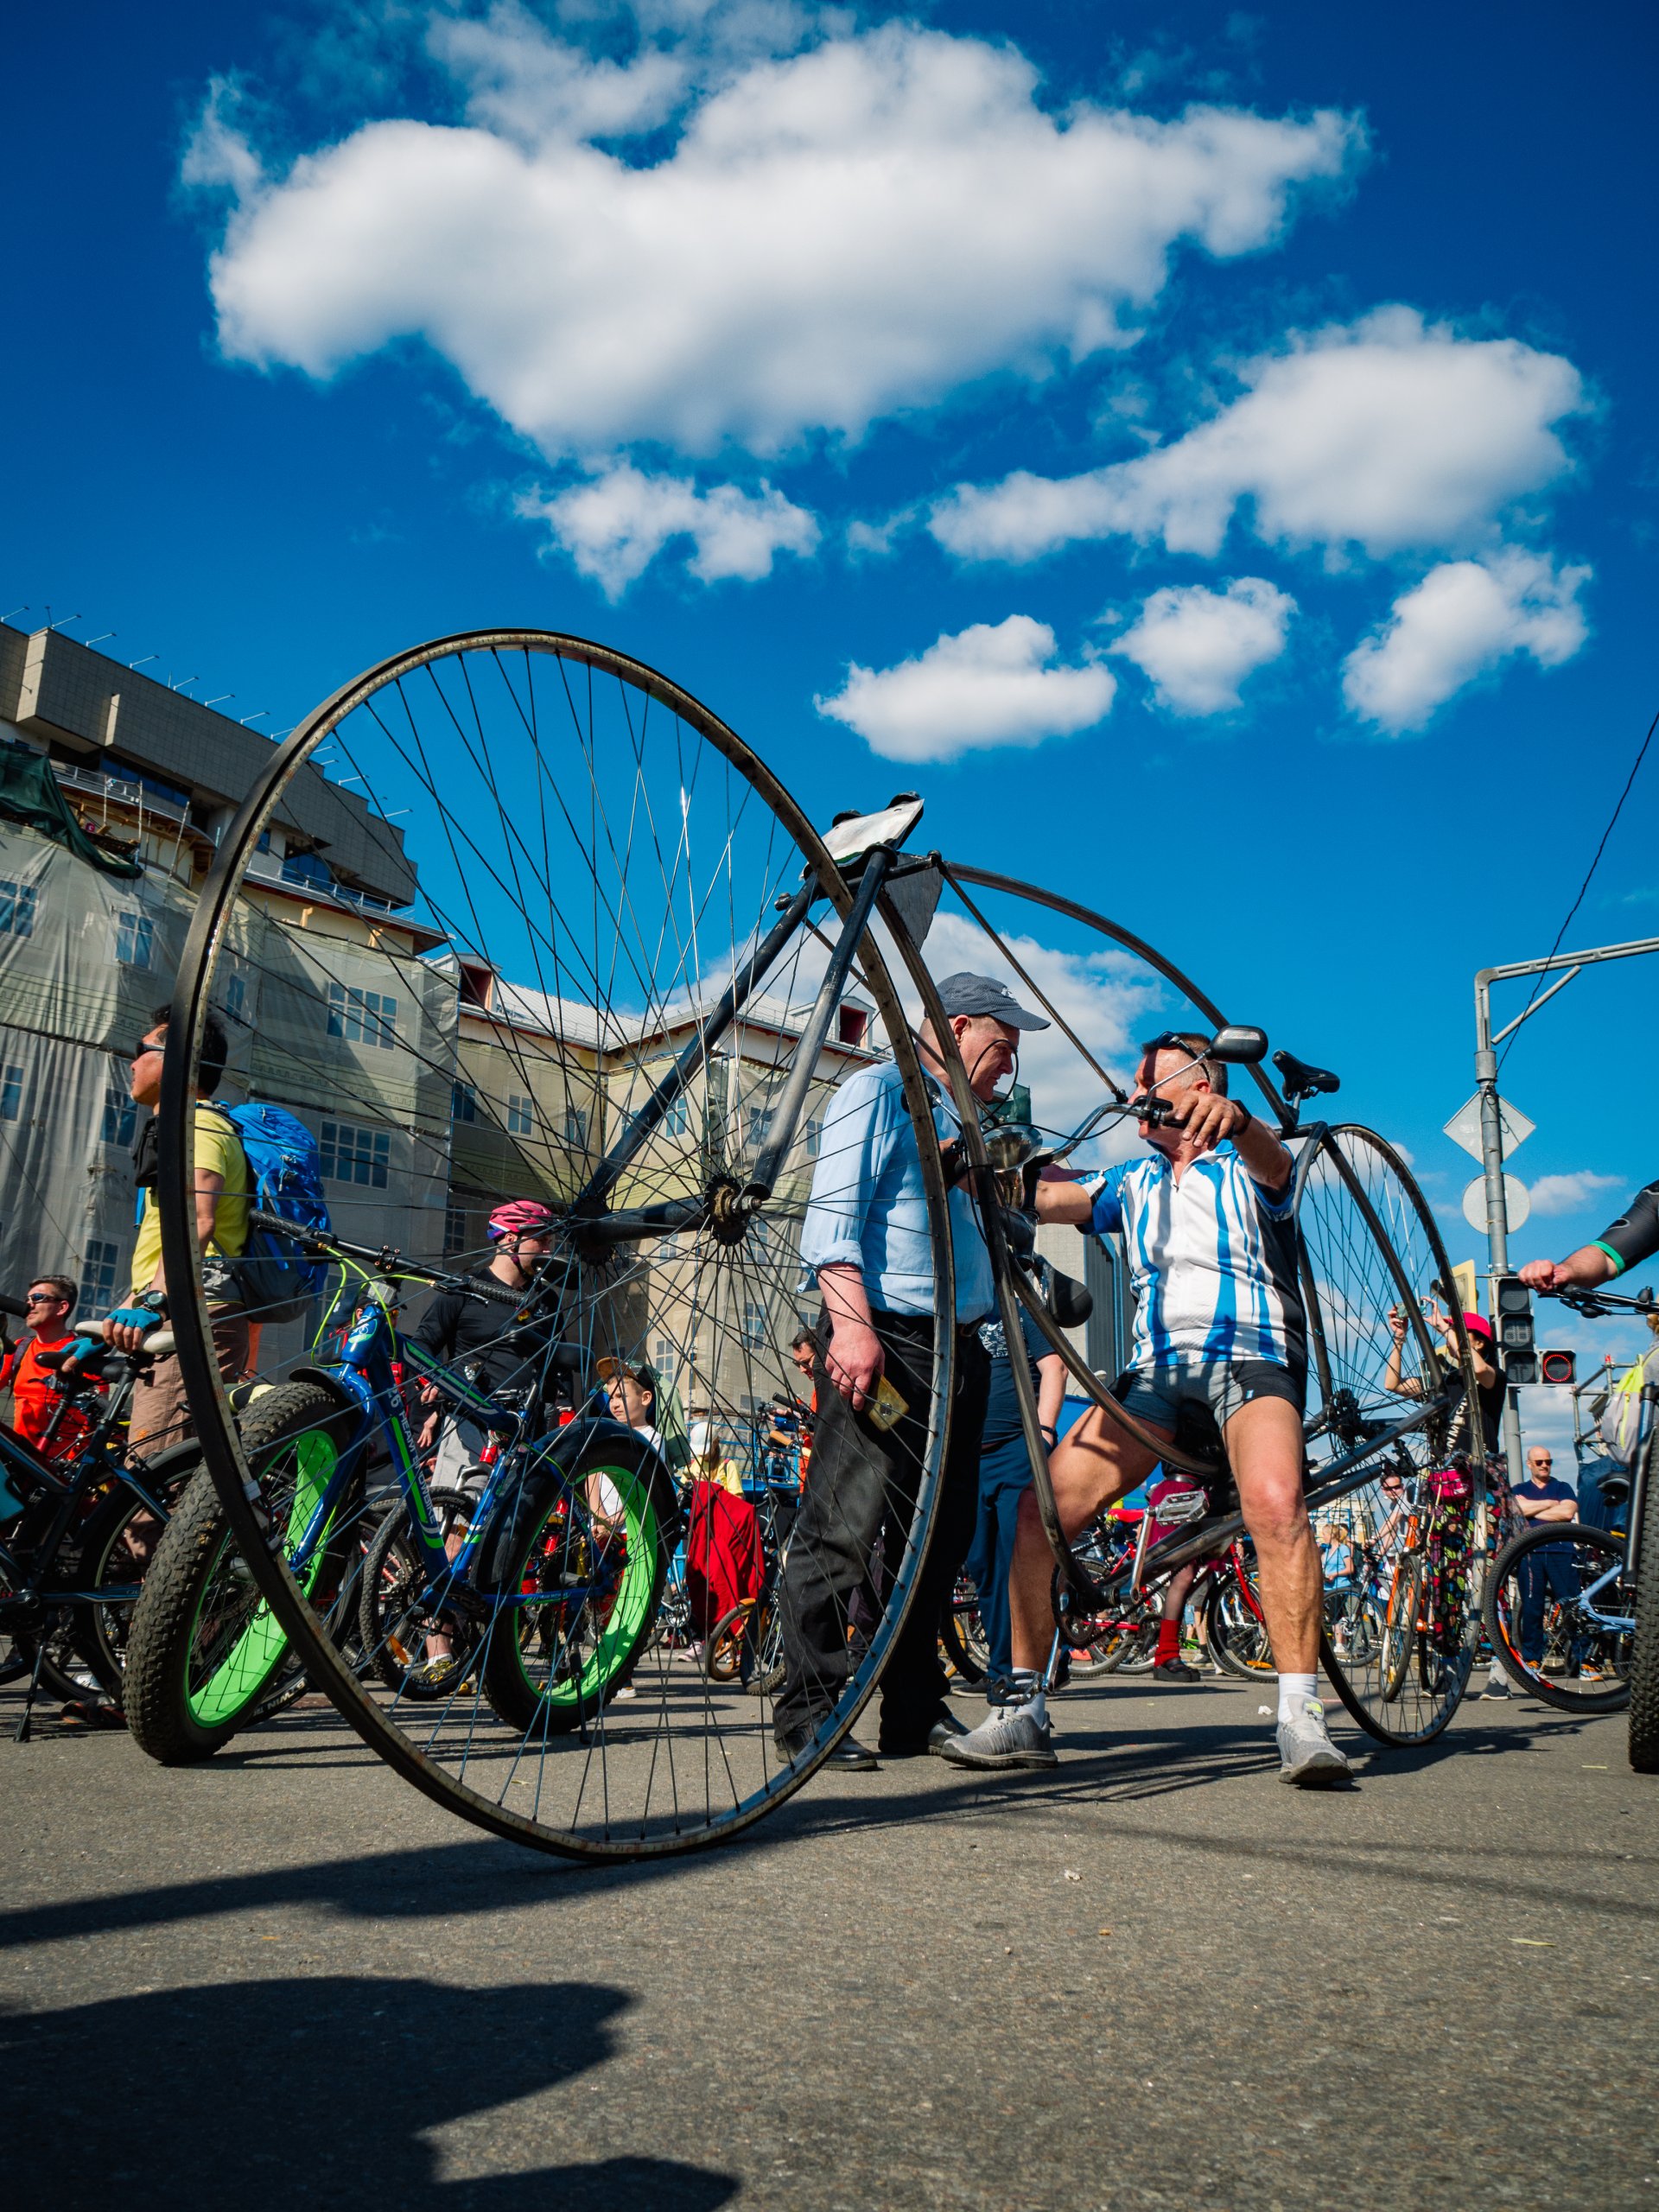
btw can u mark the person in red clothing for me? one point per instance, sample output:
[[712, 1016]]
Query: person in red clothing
[[34, 1389]]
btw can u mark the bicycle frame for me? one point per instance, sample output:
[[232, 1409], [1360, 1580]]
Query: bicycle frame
[[98, 1460]]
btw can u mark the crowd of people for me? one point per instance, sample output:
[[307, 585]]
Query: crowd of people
[[1205, 1216]]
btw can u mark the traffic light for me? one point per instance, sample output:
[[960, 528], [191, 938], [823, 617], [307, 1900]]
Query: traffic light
[[1557, 1367], [1512, 1320]]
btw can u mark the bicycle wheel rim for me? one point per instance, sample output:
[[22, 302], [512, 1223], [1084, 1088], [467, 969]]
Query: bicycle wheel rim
[[626, 738], [1574, 1635]]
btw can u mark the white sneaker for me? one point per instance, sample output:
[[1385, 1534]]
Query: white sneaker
[[1307, 1757], [1010, 1736]]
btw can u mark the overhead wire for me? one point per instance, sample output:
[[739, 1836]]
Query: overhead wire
[[1537, 980]]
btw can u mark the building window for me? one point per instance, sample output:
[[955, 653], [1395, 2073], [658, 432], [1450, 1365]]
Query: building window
[[759, 1126], [665, 1360], [463, 1102], [851, 1024], [98, 1280], [759, 1231], [120, 1116], [677, 1118], [455, 1230], [11, 1092], [362, 1017], [754, 1323], [352, 1155], [135, 939], [520, 1113], [236, 997], [815, 1137], [17, 909], [575, 1127]]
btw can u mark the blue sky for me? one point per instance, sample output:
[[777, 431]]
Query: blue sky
[[1209, 452]]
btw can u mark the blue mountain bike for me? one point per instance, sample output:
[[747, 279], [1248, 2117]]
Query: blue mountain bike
[[539, 1580]]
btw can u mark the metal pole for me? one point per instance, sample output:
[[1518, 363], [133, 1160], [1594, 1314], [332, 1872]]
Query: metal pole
[[1497, 1212]]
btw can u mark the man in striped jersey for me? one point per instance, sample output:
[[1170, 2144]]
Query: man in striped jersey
[[1218, 1325]]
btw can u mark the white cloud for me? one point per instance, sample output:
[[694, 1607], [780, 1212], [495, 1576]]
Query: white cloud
[[530, 86], [1553, 1194], [1464, 619], [1197, 645], [834, 236], [614, 526], [1385, 434], [991, 684]]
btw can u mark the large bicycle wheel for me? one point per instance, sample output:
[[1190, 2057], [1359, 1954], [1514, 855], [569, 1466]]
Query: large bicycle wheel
[[514, 917]]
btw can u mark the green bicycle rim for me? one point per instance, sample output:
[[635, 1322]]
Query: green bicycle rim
[[631, 1606], [242, 1675]]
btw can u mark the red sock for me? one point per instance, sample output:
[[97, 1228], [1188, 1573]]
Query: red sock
[[1169, 1642]]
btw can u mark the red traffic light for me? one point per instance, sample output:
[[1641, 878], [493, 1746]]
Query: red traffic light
[[1557, 1367]]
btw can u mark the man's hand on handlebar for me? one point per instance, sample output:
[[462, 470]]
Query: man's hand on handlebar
[[1584, 1269]]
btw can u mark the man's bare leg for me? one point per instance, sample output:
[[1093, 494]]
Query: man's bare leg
[[1095, 1465], [1264, 1446]]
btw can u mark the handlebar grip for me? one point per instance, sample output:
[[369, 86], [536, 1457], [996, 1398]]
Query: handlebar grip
[[496, 1294]]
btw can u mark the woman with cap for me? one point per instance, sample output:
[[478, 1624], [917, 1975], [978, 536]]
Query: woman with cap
[[1489, 1376]]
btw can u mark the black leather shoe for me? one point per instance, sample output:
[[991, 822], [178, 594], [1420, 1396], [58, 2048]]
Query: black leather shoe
[[932, 1745], [849, 1756]]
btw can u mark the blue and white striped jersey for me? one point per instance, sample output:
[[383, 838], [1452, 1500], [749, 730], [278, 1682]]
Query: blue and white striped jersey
[[1212, 1258]]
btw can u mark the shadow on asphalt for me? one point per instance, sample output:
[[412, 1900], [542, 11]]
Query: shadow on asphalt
[[321, 2091]]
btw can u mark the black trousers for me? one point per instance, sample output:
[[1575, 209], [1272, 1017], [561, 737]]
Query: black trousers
[[861, 1487]]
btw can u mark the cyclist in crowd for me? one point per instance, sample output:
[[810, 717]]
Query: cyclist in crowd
[[792, 1421], [37, 1399], [1004, 1477], [160, 1408], [1490, 1385], [1623, 1243], [1219, 1326], [866, 1235], [476, 1337]]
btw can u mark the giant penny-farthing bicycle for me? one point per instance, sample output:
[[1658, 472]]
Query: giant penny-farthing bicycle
[[625, 978]]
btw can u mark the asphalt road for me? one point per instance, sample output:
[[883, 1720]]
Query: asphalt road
[[1155, 1977]]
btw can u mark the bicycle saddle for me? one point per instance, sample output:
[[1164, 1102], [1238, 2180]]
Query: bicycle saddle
[[1301, 1080]]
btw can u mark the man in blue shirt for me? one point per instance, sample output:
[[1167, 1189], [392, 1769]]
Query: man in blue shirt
[[1539, 1499], [1207, 1222], [867, 1237]]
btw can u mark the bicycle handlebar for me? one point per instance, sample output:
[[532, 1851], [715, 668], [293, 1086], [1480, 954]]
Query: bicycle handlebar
[[1591, 1302], [324, 1247]]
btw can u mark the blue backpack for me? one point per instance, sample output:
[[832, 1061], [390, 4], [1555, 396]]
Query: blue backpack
[[285, 1177]]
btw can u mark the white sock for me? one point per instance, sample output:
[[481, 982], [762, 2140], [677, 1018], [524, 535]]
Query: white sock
[[1294, 1692], [1029, 1693]]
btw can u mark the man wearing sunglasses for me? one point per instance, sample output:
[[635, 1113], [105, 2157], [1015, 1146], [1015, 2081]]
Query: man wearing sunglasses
[[161, 1407], [1219, 1330], [34, 1395]]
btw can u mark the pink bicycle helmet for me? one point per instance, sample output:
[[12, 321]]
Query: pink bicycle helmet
[[521, 1217], [1478, 1325]]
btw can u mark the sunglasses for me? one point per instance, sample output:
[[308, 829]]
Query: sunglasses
[[142, 1048], [44, 1298]]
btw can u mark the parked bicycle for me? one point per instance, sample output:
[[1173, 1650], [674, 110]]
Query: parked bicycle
[[77, 1535]]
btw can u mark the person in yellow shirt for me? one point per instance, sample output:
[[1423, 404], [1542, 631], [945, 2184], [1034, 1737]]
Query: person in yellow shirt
[[161, 1408]]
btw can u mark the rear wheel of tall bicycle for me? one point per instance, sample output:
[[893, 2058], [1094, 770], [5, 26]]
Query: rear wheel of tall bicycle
[[206, 1650], [1585, 1664], [544, 878], [1368, 1249]]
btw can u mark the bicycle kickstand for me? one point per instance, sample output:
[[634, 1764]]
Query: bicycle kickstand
[[24, 1729]]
